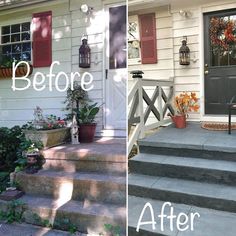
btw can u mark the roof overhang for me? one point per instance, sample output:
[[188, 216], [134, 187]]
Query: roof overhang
[[144, 4], [11, 4]]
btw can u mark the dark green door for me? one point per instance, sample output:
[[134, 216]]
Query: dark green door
[[219, 60]]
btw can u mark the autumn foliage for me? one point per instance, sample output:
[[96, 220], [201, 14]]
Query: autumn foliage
[[186, 102], [222, 32]]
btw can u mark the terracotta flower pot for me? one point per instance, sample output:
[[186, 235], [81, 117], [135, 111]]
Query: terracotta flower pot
[[179, 121], [86, 133]]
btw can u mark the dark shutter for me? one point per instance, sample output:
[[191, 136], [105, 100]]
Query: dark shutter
[[147, 24], [42, 39]]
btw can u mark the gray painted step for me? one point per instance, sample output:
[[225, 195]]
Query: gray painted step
[[215, 196], [78, 185], [198, 169], [210, 223], [191, 142], [89, 217]]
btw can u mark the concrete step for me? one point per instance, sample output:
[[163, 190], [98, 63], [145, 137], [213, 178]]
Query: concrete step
[[210, 223], [198, 169], [17, 229], [104, 156], [88, 217], [215, 196], [115, 168], [78, 185], [190, 142], [104, 151]]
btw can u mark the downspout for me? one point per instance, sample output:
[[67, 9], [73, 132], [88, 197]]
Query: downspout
[[173, 54]]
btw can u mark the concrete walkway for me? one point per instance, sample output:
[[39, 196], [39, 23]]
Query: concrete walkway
[[30, 230]]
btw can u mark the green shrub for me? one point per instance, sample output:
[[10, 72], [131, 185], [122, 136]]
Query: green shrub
[[10, 140]]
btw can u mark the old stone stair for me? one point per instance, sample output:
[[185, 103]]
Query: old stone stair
[[84, 185]]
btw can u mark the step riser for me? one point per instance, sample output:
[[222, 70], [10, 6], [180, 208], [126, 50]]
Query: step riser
[[73, 156], [132, 231], [200, 201], [86, 166], [183, 172], [184, 152], [107, 192], [84, 222]]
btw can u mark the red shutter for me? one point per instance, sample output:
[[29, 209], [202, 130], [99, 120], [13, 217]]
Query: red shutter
[[42, 39], [147, 24]]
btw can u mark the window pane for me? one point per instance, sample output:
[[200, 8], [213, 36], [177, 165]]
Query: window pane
[[224, 55], [232, 55], [117, 37], [15, 38], [15, 28], [26, 47], [5, 30], [16, 48], [133, 50], [25, 26], [5, 39], [16, 56], [25, 36], [6, 49], [26, 56]]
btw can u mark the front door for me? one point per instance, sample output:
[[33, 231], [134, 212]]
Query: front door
[[115, 71], [219, 60]]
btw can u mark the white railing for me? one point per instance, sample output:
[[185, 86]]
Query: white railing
[[142, 107]]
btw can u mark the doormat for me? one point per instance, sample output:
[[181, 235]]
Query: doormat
[[217, 126]]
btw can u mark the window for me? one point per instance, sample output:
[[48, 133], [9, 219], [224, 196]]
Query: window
[[142, 42], [15, 42], [134, 50]]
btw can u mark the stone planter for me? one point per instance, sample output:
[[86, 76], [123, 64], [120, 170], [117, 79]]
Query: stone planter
[[49, 138]]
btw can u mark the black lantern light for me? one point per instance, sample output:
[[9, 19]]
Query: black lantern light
[[84, 54], [184, 53]]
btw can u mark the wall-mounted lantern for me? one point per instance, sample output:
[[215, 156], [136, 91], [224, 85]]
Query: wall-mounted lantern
[[184, 53], [84, 54]]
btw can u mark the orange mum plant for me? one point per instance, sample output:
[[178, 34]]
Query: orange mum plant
[[186, 102]]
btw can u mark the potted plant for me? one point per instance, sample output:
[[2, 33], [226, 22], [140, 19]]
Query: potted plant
[[33, 157], [87, 126], [6, 68], [184, 103], [79, 105], [50, 130]]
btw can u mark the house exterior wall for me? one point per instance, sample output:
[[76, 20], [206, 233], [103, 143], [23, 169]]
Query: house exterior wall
[[171, 27], [68, 26]]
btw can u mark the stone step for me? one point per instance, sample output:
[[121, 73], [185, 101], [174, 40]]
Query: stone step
[[113, 151], [190, 142], [198, 169], [23, 229], [210, 223], [215, 196], [78, 185], [115, 168], [88, 217]]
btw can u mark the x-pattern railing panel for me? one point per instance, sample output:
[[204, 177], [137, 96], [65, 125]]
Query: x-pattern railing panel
[[157, 104]]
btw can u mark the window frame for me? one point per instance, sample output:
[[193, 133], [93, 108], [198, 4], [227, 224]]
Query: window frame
[[138, 60], [11, 23]]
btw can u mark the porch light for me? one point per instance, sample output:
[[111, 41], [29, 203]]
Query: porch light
[[84, 54], [86, 9], [184, 53]]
